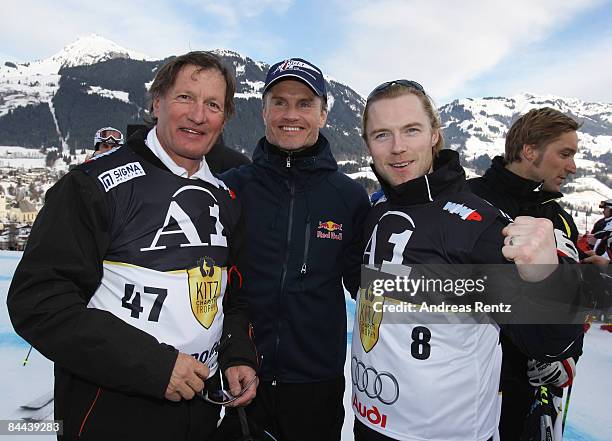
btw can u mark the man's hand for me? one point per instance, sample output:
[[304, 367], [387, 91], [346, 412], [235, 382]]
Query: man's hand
[[591, 239], [530, 243], [557, 373], [601, 261], [187, 378], [238, 377]]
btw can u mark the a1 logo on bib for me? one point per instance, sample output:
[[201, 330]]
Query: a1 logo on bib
[[369, 318], [204, 290]]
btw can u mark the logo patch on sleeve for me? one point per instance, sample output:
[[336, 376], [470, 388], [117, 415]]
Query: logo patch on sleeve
[[465, 213], [119, 175]]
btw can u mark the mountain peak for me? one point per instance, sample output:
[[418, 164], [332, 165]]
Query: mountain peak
[[91, 49], [228, 53]]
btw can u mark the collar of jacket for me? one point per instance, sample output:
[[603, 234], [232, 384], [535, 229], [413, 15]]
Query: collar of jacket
[[447, 177], [316, 158], [504, 181], [137, 143]]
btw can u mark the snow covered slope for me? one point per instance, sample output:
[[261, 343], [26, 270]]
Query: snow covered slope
[[478, 126], [94, 82], [477, 129], [37, 82], [589, 417]]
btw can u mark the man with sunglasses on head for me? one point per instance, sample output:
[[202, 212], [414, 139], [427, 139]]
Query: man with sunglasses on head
[[414, 376], [107, 138], [303, 233], [132, 274]]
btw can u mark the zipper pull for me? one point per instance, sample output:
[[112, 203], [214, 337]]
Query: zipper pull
[[288, 161], [303, 270]]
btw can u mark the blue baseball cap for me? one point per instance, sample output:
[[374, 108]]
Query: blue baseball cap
[[297, 68]]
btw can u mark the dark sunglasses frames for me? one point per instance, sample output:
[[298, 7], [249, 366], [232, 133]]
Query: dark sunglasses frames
[[384, 86]]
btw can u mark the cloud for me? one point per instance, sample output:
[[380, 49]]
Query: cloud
[[453, 48], [154, 27], [441, 44], [232, 14], [582, 72]]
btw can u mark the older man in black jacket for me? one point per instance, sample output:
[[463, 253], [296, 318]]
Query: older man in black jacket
[[130, 277]]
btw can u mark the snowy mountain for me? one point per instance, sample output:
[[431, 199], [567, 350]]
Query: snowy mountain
[[62, 100], [93, 49], [33, 86], [36, 82], [477, 128], [344, 106], [83, 51], [93, 82]]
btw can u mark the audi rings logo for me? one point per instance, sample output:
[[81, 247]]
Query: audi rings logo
[[380, 385]]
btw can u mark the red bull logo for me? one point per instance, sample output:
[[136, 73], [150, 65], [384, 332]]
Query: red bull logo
[[331, 230], [330, 226]]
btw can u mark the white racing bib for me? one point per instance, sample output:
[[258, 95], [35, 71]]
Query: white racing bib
[[181, 308], [424, 381]]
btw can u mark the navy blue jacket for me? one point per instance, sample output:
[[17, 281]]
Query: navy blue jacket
[[304, 236]]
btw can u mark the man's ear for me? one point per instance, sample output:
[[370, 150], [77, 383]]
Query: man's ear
[[156, 103], [263, 109], [434, 138], [529, 152], [323, 119]]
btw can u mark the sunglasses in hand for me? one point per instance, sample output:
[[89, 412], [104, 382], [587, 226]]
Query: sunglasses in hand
[[223, 396]]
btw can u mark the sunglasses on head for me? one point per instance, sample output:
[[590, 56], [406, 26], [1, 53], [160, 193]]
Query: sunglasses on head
[[384, 86]]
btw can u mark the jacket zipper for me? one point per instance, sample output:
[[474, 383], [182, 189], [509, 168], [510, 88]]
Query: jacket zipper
[[306, 244], [284, 274]]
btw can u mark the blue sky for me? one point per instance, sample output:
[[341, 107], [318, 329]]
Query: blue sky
[[471, 48]]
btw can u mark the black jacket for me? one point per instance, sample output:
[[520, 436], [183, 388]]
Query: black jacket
[[599, 226], [461, 241], [518, 196], [111, 373], [304, 221], [523, 197], [476, 242], [602, 234]]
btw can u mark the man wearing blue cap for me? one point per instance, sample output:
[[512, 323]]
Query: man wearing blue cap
[[304, 227]]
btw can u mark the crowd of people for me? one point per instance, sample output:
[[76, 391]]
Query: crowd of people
[[169, 275]]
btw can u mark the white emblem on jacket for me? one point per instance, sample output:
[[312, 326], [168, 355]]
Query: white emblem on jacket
[[186, 226]]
